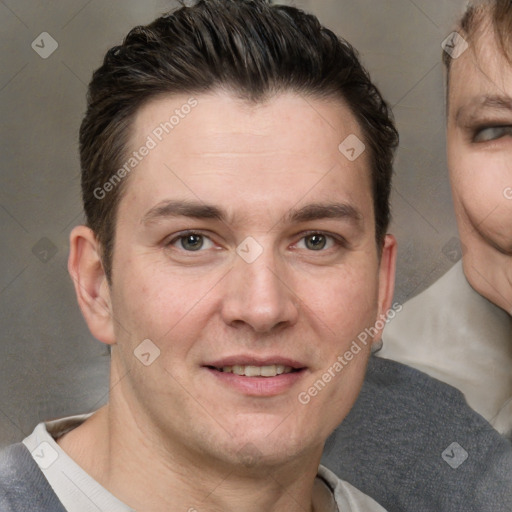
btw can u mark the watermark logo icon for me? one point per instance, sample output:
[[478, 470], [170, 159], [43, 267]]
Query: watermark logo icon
[[454, 249], [249, 250], [147, 352], [454, 45], [249, 455], [44, 45], [44, 250], [45, 455], [352, 147], [455, 455]]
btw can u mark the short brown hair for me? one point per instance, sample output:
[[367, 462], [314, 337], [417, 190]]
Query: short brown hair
[[250, 47], [498, 13]]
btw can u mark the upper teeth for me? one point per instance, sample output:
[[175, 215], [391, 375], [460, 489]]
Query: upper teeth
[[258, 371]]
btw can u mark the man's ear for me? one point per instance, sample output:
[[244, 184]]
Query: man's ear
[[91, 285], [386, 283]]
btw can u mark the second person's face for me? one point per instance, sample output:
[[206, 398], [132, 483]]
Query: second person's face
[[480, 148]]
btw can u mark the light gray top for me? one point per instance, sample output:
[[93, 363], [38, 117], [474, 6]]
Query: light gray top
[[452, 333], [79, 492]]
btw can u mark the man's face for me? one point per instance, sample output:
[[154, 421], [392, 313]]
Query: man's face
[[245, 239], [480, 147]]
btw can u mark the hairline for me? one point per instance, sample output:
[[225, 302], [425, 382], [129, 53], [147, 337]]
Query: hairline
[[482, 20]]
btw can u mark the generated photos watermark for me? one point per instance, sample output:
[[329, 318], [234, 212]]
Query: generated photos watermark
[[454, 45], [343, 360], [455, 455], [152, 141]]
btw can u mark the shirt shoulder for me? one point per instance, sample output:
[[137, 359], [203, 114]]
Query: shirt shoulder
[[413, 443], [347, 497], [22, 484], [75, 488]]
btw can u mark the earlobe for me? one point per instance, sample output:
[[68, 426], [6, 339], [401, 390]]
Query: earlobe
[[91, 286], [386, 283]]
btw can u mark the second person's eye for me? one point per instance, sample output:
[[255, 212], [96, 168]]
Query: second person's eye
[[492, 133]]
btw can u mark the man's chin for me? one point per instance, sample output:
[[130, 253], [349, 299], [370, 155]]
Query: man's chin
[[266, 453]]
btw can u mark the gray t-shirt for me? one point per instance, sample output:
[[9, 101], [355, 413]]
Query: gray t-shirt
[[79, 492], [413, 444]]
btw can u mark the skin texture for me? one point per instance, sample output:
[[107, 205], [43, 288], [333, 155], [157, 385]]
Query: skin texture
[[480, 161], [213, 446]]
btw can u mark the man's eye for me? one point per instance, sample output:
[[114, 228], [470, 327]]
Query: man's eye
[[319, 241], [192, 242], [492, 133]]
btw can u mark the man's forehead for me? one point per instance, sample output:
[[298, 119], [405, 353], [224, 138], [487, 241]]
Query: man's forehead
[[236, 113], [277, 173], [292, 133]]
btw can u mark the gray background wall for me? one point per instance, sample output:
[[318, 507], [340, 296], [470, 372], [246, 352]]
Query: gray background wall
[[50, 365]]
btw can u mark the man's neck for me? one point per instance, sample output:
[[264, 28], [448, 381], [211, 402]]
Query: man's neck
[[145, 476]]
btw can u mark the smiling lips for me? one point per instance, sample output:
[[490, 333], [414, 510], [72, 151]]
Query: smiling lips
[[257, 376], [257, 371], [256, 366]]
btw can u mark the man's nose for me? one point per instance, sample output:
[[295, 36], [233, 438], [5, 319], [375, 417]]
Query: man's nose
[[259, 293]]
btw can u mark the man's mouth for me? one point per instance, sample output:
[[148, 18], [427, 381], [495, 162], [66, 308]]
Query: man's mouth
[[270, 370], [257, 375]]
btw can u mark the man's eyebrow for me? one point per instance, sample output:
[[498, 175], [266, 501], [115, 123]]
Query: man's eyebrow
[[197, 210], [482, 103], [323, 211], [177, 208]]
